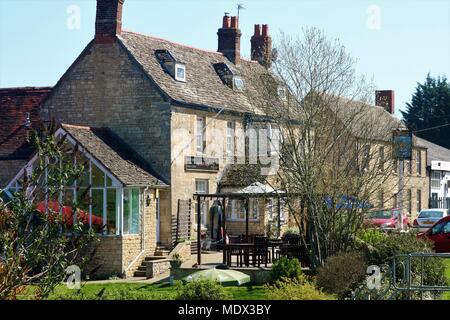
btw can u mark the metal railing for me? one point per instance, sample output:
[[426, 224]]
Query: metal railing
[[399, 280]]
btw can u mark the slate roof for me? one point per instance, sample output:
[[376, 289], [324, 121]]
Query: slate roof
[[14, 104], [241, 175], [123, 162], [203, 86], [365, 120], [15, 151], [435, 152]]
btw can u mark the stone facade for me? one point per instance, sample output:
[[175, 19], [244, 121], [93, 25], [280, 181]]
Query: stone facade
[[120, 255], [105, 88]]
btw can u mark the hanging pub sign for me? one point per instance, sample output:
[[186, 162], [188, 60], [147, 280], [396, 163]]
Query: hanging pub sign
[[201, 164], [402, 140]]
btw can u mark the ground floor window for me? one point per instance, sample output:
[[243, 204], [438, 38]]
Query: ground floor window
[[201, 186], [131, 216], [102, 201], [419, 200]]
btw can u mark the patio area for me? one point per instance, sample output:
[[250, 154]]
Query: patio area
[[250, 249]]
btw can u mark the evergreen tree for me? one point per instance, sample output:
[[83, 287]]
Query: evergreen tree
[[429, 108]]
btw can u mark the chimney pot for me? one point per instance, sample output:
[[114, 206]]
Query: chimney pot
[[234, 23], [385, 99], [108, 21], [229, 38], [257, 30], [265, 30], [226, 24], [261, 46]]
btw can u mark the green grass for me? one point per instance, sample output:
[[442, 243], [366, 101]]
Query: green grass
[[446, 296], [140, 291]]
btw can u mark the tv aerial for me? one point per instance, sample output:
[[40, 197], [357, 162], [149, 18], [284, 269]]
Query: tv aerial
[[240, 7]]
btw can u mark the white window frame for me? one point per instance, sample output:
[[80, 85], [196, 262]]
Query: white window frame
[[180, 66], [234, 215], [200, 138], [203, 205], [116, 184], [231, 137], [435, 181]]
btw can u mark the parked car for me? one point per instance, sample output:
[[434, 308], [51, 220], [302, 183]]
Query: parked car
[[439, 233], [387, 218], [428, 217]]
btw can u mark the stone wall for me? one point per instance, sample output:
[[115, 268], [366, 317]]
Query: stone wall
[[104, 88]]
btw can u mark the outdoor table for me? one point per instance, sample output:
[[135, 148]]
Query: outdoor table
[[274, 243], [286, 247], [244, 247]]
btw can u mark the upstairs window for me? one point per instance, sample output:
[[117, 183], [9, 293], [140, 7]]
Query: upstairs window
[[435, 179], [419, 162], [229, 77], [171, 64], [231, 128], [200, 136], [180, 73]]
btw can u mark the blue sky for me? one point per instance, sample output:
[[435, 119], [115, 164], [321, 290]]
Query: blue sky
[[396, 41]]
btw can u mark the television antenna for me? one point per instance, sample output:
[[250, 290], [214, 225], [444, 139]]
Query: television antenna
[[240, 7]]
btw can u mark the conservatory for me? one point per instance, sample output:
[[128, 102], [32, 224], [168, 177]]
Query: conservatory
[[113, 184]]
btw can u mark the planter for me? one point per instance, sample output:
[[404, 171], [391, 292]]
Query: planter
[[175, 264]]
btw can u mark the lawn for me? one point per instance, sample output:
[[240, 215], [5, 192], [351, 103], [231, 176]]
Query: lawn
[[141, 291], [446, 295]]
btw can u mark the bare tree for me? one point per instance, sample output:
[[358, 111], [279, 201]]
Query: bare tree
[[335, 152]]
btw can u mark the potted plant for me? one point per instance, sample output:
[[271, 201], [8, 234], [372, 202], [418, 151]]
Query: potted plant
[[176, 261]]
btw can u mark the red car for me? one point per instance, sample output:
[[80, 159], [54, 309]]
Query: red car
[[439, 233], [386, 218]]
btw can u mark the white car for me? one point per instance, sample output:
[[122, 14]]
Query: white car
[[428, 217]]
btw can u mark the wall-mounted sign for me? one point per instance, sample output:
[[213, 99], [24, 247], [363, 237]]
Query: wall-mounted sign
[[402, 140], [201, 164]]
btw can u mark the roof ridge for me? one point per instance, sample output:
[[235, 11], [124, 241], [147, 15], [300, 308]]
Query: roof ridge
[[181, 44], [25, 88], [173, 42], [75, 126]]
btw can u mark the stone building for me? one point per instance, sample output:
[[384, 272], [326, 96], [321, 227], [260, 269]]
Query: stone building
[[174, 115], [160, 121], [19, 112]]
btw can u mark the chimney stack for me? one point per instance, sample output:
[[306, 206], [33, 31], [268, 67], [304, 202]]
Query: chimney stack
[[385, 99], [261, 45], [230, 39], [108, 21]]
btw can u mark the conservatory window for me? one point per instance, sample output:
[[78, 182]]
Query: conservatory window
[[131, 218]]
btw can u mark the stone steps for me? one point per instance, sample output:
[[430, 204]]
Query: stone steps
[[153, 265]]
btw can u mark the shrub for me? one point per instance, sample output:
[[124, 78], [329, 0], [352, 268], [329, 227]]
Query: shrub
[[286, 268], [296, 289], [201, 290], [342, 273], [404, 243], [292, 231], [371, 236]]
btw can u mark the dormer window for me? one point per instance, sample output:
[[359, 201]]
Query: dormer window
[[180, 72], [229, 77], [173, 66], [238, 83], [281, 90]]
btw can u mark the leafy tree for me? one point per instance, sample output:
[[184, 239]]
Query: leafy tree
[[430, 108], [36, 244]]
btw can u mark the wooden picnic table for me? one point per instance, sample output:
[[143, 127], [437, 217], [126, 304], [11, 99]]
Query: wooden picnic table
[[248, 247]]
